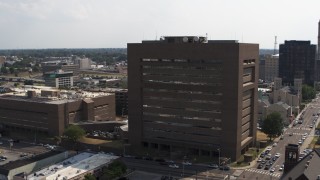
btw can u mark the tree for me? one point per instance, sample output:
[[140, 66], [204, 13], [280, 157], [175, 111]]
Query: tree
[[4, 70], [11, 69], [273, 125], [308, 92], [57, 139], [114, 170], [74, 133], [89, 177]]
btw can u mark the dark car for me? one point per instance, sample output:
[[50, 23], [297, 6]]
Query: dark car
[[160, 160], [163, 163], [224, 168], [148, 158], [266, 168], [262, 155], [260, 166], [214, 166]]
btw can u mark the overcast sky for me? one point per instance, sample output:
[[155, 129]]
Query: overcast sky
[[114, 23]]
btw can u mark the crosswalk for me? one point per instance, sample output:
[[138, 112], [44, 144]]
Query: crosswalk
[[305, 128], [295, 133], [260, 171]]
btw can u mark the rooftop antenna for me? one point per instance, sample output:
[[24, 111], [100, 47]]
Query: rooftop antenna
[[275, 45]]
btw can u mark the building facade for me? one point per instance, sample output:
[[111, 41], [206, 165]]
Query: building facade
[[52, 114], [262, 67], [192, 95], [297, 60], [271, 67], [59, 79]]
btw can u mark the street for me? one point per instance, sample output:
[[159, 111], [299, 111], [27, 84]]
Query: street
[[291, 135]]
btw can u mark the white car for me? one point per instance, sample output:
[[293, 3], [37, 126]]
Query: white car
[[300, 142], [187, 163], [259, 160], [277, 155], [274, 144], [272, 170], [173, 166], [281, 168], [269, 148]]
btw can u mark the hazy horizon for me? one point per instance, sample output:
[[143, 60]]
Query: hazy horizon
[[44, 24]]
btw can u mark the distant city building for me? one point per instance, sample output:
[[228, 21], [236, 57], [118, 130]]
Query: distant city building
[[262, 72], [2, 61], [50, 111], [59, 79], [317, 64], [271, 67], [56, 65], [297, 60], [318, 40], [190, 95], [282, 99], [84, 63]]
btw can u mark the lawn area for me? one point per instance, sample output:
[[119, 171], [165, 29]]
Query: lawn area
[[261, 136], [240, 162], [100, 142]]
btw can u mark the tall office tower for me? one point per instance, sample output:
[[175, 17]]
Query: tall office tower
[[271, 67], [297, 61], [262, 67], [318, 40], [189, 95]]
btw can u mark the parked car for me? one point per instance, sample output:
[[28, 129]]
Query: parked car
[[272, 170], [163, 163], [224, 168], [277, 155], [214, 166], [174, 166], [187, 163]]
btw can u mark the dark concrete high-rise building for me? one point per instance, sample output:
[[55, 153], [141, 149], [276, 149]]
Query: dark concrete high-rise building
[[193, 96], [318, 40], [297, 61]]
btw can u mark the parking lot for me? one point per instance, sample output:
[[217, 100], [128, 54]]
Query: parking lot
[[15, 150]]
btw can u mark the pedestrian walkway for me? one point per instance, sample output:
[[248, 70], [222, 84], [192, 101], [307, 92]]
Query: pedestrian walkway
[[306, 128], [295, 133], [260, 171]]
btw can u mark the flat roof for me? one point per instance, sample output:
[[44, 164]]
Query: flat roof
[[73, 166], [64, 96]]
